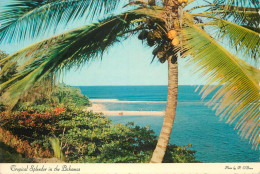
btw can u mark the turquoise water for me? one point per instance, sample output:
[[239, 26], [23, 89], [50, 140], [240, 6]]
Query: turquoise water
[[195, 123]]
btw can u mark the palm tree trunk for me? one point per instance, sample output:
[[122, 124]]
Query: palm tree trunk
[[164, 137]]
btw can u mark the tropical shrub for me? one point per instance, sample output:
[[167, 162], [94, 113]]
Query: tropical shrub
[[85, 136], [22, 146], [61, 95], [178, 154], [31, 124], [69, 96], [9, 155]]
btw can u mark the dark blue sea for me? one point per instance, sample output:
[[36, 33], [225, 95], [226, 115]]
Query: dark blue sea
[[195, 123]]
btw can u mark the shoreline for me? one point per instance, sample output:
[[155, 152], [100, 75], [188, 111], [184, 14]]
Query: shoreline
[[99, 108]]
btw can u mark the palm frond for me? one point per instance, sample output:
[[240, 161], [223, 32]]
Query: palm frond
[[137, 2], [238, 3], [242, 15], [242, 38], [247, 16], [22, 19], [237, 97], [242, 12], [64, 51]]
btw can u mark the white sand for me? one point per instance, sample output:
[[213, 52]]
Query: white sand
[[96, 107], [102, 109]]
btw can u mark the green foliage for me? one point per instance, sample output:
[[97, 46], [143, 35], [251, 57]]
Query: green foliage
[[178, 154], [32, 124], [95, 139], [9, 155], [10, 72], [28, 18], [55, 143], [60, 96], [5, 76], [69, 96], [22, 146], [88, 137]]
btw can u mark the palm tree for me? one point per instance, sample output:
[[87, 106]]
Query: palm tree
[[174, 28]]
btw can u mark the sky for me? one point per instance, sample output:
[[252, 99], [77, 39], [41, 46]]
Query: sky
[[127, 63]]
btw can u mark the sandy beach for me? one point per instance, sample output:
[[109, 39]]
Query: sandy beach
[[96, 107], [102, 109]]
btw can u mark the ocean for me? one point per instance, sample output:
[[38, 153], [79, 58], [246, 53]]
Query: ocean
[[195, 123]]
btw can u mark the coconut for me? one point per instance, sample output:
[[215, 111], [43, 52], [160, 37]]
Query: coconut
[[151, 35], [175, 41], [157, 34], [150, 39], [143, 35], [151, 2], [150, 42], [156, 50], [172, 34], [160, 54], [162, 60]]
